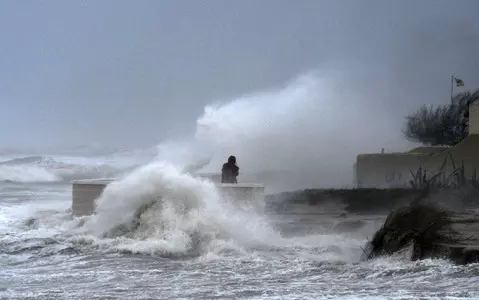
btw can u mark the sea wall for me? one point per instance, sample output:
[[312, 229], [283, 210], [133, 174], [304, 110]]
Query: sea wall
[[350, 200], [366, 200], [389, 170], [85, 193], [393, 170]]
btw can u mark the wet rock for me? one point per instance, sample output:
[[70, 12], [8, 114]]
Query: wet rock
[[430, 231]]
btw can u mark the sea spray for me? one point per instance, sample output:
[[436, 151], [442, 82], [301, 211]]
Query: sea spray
[[159, 209], [305, 133]]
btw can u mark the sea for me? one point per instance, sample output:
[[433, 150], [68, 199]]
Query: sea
[[161, 233]]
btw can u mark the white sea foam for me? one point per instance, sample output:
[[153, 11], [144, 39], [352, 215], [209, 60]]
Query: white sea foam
[[159, 209]]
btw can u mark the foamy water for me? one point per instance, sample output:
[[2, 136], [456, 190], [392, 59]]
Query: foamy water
[[190, 243]]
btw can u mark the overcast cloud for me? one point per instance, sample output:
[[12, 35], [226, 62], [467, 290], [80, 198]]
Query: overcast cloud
[[136, 73]]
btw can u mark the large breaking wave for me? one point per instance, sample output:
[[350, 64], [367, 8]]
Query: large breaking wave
[[160, 210]]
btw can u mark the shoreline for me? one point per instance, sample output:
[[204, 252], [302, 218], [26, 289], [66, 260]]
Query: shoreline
[[440, 223]]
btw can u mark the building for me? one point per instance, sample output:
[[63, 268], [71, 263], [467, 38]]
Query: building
[[405, 169]]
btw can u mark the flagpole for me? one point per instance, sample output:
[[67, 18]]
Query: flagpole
[[452, 86]]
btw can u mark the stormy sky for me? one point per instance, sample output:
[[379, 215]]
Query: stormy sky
[[136, 73]]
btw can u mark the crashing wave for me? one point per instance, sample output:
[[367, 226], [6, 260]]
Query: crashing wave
[[158, 209]]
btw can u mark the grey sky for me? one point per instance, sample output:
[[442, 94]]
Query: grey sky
[[132, 73]]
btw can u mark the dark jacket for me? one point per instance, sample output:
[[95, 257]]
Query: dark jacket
[[229, 172]]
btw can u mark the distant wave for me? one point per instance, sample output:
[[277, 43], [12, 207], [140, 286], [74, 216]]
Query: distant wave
[[47, 169], [27, 160], [26, 174]]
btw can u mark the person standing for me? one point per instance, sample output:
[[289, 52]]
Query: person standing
[[230, 171]]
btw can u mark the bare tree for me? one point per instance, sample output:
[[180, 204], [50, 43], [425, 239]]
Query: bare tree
[[443, 124]]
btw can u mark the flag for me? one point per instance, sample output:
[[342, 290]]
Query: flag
[[459, 82]]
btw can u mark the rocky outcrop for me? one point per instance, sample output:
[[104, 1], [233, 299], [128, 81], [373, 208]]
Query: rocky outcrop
[[427, 230]]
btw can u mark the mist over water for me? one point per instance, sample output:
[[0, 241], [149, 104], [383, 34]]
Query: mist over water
[[305, 133], [309, 131]]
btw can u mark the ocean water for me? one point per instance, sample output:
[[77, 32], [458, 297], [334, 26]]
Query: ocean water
[[189, 243]]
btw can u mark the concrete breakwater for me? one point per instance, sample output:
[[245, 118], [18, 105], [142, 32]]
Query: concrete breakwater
[[368, 200], [86, 192]]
